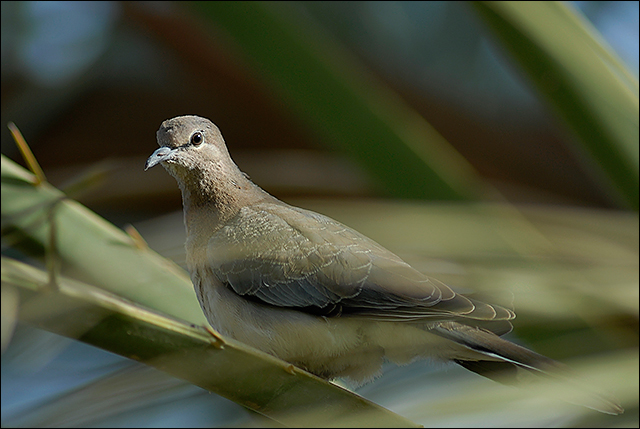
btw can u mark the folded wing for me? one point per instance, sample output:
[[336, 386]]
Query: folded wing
[[289, 257]]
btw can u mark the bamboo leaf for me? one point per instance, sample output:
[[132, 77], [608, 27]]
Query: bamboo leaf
[[249, 377], [341, 101], [90, 248], [590, 89]]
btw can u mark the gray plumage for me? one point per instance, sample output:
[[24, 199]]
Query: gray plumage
[[312, 291]]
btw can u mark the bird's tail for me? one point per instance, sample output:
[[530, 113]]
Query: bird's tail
[[511, 364]]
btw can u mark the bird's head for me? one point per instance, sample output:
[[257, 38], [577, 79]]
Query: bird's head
[[188, 144]]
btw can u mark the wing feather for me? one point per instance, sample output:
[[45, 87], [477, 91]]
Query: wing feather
[[289, 257]]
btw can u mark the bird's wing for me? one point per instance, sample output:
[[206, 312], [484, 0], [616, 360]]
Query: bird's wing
[[290, 257]]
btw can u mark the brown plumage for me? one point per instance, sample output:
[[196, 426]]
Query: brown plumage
[[314, 292]]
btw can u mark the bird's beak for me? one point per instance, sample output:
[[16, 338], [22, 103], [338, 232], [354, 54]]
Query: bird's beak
[[162, 154]]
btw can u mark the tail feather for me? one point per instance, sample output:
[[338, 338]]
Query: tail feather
[[514, 365]]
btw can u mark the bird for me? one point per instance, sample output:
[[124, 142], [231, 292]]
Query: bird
[[315, 293]]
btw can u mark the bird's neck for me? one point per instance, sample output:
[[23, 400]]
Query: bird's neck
[[211, 198]]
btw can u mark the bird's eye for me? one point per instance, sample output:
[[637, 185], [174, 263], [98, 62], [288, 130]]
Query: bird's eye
[[197, 139]]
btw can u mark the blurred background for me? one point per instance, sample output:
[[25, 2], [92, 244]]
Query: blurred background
[[413, 122]]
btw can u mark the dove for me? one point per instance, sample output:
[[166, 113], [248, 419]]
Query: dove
[[315, 293]]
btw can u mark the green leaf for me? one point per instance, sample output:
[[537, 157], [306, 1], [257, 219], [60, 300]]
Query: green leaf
[[588, 87], [341, 101], [249, 377], [90, 248]]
